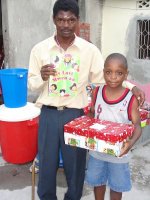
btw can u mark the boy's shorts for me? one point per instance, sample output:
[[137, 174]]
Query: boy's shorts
[[116, 175]]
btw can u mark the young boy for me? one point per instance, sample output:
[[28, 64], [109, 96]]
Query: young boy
[[116, 104]]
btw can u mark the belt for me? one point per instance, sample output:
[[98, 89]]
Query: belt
[[57, 108]]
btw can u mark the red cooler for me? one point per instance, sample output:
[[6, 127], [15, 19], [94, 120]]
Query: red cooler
[[18, 133]]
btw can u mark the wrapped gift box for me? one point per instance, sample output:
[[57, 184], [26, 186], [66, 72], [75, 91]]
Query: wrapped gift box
[[99, 135], [146, 109], [144, 115]]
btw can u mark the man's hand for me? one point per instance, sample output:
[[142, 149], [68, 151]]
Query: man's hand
[[48, 70], [140, 95]]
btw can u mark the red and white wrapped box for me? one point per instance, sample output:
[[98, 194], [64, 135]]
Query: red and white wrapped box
[[98, 135], [144, 116]]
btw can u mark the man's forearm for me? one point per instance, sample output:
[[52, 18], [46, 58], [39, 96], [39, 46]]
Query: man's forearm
[[128, 85]]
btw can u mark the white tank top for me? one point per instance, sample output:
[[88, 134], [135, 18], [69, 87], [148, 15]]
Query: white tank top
[[118, 110]]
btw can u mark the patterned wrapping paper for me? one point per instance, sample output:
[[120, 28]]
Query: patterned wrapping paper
[[99, 135], [144, 115], [146, 109]]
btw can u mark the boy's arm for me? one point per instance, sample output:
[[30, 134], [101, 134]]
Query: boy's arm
[[135, 117]]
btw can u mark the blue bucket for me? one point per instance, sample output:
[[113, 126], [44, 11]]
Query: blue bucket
[[14, 87]]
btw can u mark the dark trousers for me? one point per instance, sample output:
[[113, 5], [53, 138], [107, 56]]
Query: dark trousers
[[51, 139]]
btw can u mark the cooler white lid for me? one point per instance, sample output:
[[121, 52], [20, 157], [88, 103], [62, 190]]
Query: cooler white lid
[[27, 112]]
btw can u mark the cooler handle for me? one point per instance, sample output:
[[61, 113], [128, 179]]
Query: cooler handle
[[21, 75]]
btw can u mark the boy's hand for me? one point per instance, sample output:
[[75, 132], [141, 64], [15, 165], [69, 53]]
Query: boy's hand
[[91, 112], [125, 148]]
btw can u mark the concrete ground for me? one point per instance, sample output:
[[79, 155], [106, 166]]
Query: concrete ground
[[15, 180]]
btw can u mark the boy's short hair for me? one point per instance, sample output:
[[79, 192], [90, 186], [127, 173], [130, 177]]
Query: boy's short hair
[[66, 5], [118, 56]]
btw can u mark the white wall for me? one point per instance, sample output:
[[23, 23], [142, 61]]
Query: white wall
[[116, 18], [119, 35]]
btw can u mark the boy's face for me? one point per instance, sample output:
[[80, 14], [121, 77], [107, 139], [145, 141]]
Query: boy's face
[[115, 72]]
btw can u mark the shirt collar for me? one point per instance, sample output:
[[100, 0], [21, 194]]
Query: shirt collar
[[52, 42]]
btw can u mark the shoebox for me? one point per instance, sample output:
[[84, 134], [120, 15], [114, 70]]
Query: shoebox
[[144, 115], [98, 135]]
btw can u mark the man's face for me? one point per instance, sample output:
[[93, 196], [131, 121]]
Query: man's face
[[66, 23]]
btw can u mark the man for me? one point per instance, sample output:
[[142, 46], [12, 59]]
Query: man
[[64, 60]]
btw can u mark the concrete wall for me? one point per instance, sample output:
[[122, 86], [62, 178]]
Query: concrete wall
[[119, 35], [25, 23], [145, 137], [91, 12], [0, 20]]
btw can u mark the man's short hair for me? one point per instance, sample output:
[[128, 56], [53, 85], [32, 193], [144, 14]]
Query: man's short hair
[[66, 5]]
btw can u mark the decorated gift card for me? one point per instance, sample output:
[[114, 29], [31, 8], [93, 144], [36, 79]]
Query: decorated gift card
[[65, 83]]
